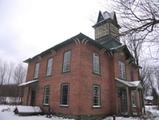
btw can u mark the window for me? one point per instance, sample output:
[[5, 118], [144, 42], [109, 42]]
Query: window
[[67, 61], [49, 67], [133, 99], [96, 66], [64, 94], [122, 72], [96, 96], [46, 95], [36, 70]]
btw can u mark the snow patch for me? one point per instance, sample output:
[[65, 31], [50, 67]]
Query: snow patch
[[28, 109]]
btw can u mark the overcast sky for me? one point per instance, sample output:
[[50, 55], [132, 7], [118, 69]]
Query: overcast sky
[[28, 27]]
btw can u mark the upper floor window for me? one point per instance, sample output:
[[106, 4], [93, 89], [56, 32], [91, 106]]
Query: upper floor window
[[49, 67], [96, 64], [96, 96], [67, 61], [36, 70], [122, 71], [64, 94], [46, 95]]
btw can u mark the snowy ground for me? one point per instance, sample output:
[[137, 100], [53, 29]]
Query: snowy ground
[[6, 113]]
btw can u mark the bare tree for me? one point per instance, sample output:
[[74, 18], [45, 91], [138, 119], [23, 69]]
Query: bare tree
[[19, 74], [3, 72], [146, 78], [140, 17], [10, 69]]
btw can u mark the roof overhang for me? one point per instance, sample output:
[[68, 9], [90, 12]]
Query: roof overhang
[[27, 83], [130, 84]]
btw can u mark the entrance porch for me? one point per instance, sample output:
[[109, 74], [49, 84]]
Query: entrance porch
[[129, 98], [30, 90]]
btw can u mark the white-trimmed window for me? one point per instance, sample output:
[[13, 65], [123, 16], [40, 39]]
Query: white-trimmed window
[[96, 63], [64, 94], [96, 96], [67, 61], [36, 70], [49, 67], [122, 70], [46, 95]]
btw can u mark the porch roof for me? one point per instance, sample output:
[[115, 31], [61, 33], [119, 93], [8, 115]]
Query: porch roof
[[28, 82], [131, 84]]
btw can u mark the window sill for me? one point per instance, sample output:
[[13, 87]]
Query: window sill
[[66, 71], [36, 78], [96, 106], [64, 105], [134, 106], [99, 74], [44, 104], [48, 76]]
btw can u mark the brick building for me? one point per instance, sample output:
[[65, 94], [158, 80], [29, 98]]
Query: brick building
[[83, 77]]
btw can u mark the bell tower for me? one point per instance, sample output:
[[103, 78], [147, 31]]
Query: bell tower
[[107, 30], [106, 25]]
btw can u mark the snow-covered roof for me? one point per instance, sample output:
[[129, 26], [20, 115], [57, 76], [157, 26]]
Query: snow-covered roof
[[130, 83], [149, 98], [114, 48], [108, 15], [28, 109], [28, 82]]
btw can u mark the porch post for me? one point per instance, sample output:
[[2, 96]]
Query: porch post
[[129, 100], [27, 102]]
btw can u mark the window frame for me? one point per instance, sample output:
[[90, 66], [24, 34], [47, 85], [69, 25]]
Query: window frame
[[64, 70], [94, 64], [98, 97], [36, 70], [46, 95], [122, 70], [61, 94], [49, 67]]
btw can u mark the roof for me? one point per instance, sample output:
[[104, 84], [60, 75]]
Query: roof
[[79, 36], [106, 17], [131, 84], [28, 82], [109, 41]]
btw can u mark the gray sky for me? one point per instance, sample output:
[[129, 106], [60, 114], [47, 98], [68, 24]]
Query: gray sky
[[28, 27]]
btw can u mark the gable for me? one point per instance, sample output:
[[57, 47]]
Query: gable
[[100, 17], [125, 50]]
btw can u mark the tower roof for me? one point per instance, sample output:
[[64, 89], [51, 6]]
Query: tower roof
[[107, 17]]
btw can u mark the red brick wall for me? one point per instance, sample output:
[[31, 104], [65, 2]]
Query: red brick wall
[[80, 79]]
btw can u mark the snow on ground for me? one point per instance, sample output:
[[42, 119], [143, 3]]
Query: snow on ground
[[6, 113], [122, 118], [152, 112]]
